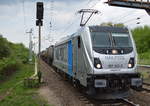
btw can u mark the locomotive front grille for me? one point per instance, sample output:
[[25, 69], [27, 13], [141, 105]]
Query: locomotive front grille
[[118, 83], [114, 81]]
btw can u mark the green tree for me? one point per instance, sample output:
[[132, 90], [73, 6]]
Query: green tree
[[111, 24], [12, 56], [5, 50]]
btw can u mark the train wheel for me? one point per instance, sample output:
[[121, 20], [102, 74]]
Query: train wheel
[[57, 70], [76, 83]]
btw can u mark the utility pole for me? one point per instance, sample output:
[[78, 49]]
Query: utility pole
[[30, 44], [51, 20]]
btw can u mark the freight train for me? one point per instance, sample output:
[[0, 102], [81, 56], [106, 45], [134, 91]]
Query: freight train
[[103, 59]]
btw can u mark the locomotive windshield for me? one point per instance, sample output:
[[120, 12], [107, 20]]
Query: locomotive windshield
[[105, 39], [121, 40], [101, 39]]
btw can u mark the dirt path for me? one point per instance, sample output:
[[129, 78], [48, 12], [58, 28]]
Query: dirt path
[[49, 96]]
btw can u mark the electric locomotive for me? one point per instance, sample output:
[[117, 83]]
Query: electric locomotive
[[103, 59]]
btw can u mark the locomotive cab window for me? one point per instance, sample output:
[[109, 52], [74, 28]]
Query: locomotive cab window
[[121, 39], [100, 39]]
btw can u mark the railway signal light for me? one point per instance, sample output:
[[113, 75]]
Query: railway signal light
[[39, 10], [39, 22], [39, 13]]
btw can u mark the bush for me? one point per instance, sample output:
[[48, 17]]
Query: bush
[[11, 57], [7, 67], [141, 36], [19, 52], [5, 50]]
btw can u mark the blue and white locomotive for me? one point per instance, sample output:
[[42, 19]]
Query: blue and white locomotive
[[103, 59]]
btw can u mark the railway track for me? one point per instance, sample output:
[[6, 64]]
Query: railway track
[[146, 84], [146, 87], [116, 102]]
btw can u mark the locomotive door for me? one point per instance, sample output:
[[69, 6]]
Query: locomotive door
[[75, 56], [70, 59], [79, 59]]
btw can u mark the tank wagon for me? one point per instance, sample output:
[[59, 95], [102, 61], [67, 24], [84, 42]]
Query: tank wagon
[[43, 55], [103, 59], [50, 54]]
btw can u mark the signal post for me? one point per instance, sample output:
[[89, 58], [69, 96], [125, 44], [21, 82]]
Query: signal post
[[39, 23]]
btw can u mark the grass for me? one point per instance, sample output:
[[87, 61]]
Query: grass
[[144, 61], [145, 74], [144, 58], [15, 94]]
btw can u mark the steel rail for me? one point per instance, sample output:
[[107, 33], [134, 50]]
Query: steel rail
[[145, 66], [147, 84], [130, 103], [146, 89]]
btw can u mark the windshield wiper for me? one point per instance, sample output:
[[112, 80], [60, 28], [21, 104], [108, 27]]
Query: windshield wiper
[[113, 43]]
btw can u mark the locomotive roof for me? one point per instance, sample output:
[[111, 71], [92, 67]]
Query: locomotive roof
[[108, 29], [64, 39], [94, 29]]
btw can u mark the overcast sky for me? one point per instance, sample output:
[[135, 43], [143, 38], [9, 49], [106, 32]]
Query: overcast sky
[[18, 16]]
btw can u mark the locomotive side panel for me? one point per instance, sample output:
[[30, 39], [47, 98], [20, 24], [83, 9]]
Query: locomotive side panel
[[61, 57], [70, 57], [83, 66], [81, 71]]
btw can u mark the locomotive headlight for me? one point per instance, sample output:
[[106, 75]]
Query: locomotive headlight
[[131, 63], [97, 63], [114, 52], [98, 66]]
